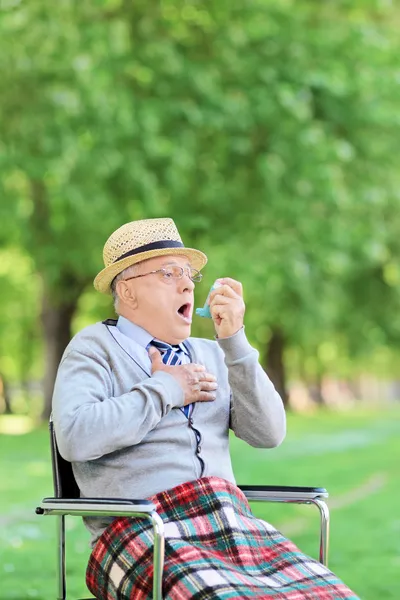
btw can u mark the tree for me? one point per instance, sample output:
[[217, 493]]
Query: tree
[[20, 341], [263, 128]]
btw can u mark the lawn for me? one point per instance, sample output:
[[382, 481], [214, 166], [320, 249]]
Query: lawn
[[355, 455]]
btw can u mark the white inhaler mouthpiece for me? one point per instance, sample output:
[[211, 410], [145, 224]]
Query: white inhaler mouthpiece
[[205, 311]]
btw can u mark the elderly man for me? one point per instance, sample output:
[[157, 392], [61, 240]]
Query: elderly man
[[143, 410]]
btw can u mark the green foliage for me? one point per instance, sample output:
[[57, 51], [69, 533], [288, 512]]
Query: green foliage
[[268, 130], [20, 339]]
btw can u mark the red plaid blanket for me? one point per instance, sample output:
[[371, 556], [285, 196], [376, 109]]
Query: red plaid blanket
[[214, 549]]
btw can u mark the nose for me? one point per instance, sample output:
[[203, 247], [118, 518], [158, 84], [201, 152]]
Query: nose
[[186, 284]]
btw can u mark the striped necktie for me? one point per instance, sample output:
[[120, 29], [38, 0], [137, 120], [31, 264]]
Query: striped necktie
[[171, 355]]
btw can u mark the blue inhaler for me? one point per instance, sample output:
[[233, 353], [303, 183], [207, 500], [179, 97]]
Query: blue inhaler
[[205, 311]]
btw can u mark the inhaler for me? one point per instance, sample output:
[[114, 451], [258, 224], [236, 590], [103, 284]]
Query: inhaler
[[205, 311]]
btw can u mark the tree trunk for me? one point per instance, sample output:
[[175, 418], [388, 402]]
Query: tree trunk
[[4, 392], [59, 298], [315, 391], [56, 322], [353, 385], [275, 364]]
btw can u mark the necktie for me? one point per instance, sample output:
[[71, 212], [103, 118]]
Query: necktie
[[171, 355]]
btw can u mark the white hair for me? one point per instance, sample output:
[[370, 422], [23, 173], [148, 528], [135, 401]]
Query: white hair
[[128, 272]]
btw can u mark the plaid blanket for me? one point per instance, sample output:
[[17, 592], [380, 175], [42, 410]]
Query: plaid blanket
[[214, 549]]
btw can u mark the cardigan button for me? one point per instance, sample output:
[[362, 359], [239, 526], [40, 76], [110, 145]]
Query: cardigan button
[[198, 449]]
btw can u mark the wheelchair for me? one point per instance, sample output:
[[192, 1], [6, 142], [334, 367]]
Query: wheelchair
[[67, 501]]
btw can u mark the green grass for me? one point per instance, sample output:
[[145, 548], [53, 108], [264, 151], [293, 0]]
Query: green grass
[[355, 455]]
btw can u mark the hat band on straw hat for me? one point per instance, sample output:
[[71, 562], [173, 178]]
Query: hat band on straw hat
[[151, 246]]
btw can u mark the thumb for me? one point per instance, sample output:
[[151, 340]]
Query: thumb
[[155, 358]]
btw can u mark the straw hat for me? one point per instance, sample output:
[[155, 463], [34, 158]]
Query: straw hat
[[139, 240]]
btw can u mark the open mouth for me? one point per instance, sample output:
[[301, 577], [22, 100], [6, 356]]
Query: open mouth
[[185, 311]]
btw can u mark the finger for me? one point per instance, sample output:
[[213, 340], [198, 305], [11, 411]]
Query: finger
[[220, 299], [209, 386], [155, 356], [223, 312], [195, 367], [230, 307], [206, 376], [216, 312], [236, 286], [219, 310], [225, 291], [205, 397]]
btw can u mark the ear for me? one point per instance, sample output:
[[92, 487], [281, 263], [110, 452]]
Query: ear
[[126, 293]]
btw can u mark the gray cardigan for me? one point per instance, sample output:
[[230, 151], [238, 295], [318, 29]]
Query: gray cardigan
[[120, 428]]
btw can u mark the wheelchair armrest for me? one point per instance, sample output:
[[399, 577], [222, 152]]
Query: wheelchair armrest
[[283, 493], [114, 507], [107, 507]]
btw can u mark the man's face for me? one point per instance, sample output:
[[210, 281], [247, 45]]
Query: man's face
[[163, 307]]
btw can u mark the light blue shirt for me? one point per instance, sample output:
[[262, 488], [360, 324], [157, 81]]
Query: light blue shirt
[[143, 337], [136, 333]]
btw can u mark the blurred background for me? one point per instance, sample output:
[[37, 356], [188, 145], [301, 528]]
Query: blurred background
[[269, 131]]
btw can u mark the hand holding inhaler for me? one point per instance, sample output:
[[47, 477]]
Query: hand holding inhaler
[[225, 306]]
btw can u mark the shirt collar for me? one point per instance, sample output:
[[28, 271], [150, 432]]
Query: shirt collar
[[134, 332], [140, 335]]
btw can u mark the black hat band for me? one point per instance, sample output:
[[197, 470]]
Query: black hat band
[[152, 246]]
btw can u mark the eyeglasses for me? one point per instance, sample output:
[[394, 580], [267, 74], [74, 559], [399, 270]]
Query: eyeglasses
[[173, 272]]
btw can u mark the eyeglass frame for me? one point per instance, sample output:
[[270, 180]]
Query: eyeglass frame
[[196, 279]]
